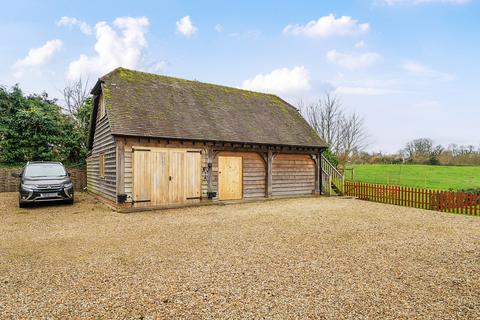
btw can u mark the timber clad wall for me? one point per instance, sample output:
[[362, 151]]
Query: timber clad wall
[[103, 142], [293, 174], [254, 173], [157, 143]]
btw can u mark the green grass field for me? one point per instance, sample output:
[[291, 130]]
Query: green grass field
[[421, 176]]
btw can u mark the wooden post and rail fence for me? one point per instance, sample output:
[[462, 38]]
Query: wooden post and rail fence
[[444, 201]]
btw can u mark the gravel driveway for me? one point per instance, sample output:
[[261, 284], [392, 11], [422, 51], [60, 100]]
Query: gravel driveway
[[326, 258]]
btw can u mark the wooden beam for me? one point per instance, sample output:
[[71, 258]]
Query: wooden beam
[[210, 157], [270, 156], [120, 155], [264, 156], [240, 149], [318, 172], [263, 149]]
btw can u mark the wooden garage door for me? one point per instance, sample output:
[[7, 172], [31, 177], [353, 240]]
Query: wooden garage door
[[142, 185], [166, 176], [193, 174], [293, 174], [229, 178]]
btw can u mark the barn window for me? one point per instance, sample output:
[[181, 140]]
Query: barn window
[[101, 165], [101, 106]]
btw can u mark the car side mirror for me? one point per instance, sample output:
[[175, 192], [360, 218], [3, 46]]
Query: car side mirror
[[69, 174], [16, 175]]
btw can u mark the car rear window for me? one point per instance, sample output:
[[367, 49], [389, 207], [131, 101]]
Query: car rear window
[[44, 170]]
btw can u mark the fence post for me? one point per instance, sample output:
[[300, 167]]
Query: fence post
[[444, 201], [476, 201], [469, 208]]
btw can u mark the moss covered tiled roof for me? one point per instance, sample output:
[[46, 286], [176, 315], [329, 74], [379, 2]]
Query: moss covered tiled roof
[[150, 105]]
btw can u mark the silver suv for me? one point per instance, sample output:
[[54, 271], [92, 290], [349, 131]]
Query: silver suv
[[42, 181]]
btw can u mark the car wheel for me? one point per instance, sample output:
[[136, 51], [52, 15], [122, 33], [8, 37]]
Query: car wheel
[[69, 201], [21, 204]]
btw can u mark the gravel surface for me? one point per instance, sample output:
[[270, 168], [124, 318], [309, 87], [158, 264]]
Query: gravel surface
[[326, 258]]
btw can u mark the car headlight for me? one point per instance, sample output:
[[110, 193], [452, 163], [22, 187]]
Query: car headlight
[[68, 185], [28, 187]]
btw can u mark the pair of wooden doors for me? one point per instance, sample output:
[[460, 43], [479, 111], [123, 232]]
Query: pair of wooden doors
[[230, 178], [166, 176]]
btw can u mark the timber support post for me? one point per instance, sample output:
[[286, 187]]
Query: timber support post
[[316, 157], [210, 156], [320, 173], [120, 159], [269, 161]]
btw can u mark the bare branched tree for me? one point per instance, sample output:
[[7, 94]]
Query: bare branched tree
[[78, 104], [75, 94], [325, 117], [344, 133], [353, 136]]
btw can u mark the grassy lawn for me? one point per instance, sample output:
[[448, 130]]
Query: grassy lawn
[[310, 258], [422, 176]]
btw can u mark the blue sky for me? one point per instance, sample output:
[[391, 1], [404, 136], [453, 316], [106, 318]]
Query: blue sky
[[409, 67]]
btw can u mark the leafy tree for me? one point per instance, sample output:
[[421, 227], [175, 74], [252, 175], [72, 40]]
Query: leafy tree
[[422, 151], [82, 127], [35, 128], [331, 157]]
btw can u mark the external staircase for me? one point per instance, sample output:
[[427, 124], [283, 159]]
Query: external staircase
[[332, 179]]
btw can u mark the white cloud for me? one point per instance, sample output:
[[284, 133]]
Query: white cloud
[[418, 2], [71, 21], [37, 57], [250, 34], [158, 67], [113, 50], [420, 70], [328, 26], [353, 61], [219, 28], [367, 86], [280, 81], [366, 91], [360, 44], [185, 26]]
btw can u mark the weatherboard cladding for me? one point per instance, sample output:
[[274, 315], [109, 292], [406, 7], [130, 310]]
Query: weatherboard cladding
[[103, 142], [147, 105]]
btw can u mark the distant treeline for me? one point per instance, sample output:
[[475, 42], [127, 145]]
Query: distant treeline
[[424, 151]]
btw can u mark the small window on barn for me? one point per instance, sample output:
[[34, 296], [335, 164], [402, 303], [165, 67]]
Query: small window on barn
[[101, 165], [101, 106]]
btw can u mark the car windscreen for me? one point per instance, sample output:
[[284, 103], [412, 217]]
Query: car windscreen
[[44, 170]]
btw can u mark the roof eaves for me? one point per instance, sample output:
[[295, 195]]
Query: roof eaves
[[323, 146]]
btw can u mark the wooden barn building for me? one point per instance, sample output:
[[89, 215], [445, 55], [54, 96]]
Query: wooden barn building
[[157, 141]]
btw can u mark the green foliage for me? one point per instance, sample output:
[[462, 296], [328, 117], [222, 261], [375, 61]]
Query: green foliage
[[35, 128], [421, 176], [331, 157], [82, 117], [433, 160], [472, 190]]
